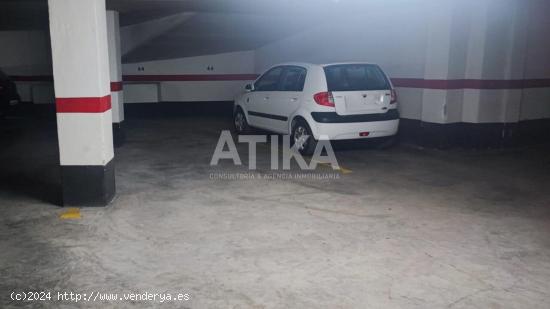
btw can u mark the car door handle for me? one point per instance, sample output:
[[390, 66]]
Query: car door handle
[[294, 99], [266, 98]]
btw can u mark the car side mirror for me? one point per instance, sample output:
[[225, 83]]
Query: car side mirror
[[249, 87]]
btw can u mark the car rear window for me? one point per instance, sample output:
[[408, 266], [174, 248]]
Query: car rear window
[[355, 77]]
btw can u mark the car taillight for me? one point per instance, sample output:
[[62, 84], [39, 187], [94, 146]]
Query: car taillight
[[324, 98], [393, 97]]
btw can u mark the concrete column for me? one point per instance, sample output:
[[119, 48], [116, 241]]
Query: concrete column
[[78, 30], [437, 61], [496, 52], [475, 58], [115, 71]]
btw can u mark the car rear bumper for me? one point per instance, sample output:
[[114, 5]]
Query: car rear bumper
[[333, 117], [337, 127]]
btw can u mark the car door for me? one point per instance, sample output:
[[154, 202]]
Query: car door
[[259, 99], [284, 102]]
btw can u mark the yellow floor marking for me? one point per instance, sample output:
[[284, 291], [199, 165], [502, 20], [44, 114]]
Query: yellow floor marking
[[341, 169], [71, 213]]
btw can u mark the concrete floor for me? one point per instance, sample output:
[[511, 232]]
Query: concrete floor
[[408, 228]]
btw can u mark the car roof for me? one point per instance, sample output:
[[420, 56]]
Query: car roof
[[345, 63], [300, 64], [322, 65]]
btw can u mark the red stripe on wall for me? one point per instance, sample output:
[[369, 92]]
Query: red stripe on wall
[[116, 86], [442, 84], [83, 105], [469, 83], [188, 78]]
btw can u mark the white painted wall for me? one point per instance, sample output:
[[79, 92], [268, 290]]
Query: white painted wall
[[133, 36], [502, 57], [186, 91], [535, 103], [398, 47], [484, 39], [444, 40], [141, 93]]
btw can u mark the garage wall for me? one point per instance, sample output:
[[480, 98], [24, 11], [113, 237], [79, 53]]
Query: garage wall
[[205, 78], [536, 101], [377, 38], [457, 65], [495, 52], [26, 55], [443, 60]]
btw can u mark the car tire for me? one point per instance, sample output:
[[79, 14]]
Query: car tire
[[239, 122], [301, 131]]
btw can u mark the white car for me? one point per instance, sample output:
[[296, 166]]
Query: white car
[[338, 101]]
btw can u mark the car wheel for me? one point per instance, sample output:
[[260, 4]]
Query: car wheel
[[302, 138], [239, 122]]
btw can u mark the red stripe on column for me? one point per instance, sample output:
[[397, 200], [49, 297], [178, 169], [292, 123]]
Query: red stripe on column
[[83, 105], [116, 86]]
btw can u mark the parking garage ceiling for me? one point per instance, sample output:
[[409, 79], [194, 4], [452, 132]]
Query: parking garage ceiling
[[211, 33], [217, 26]]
